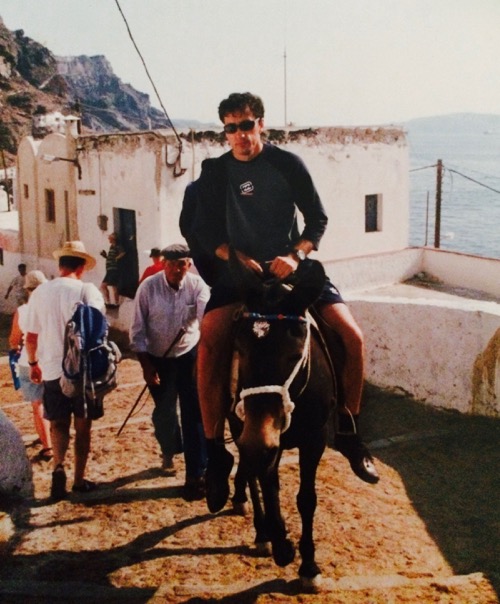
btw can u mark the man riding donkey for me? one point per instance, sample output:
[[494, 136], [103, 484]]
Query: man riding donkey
[[247, 200]]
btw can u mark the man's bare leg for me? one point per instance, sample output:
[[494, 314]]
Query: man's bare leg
[[340, 319], [213, 378], [42, 426], [59, 432], [105, 292], [82, 448], [347, 440]]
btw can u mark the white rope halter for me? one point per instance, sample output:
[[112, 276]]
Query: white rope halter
[[288, 404]]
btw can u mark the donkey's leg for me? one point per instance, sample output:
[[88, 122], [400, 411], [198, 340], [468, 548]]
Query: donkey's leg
[[283, 548], [241, 507], [262, 539], [239, 499], [306, 503]]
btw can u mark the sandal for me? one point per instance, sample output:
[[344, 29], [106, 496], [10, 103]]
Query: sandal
[[87, 486]]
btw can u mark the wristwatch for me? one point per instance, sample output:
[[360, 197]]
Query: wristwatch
[[301, 255]]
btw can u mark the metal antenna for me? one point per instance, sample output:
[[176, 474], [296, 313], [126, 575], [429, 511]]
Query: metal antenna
[[284, 66], [284, 60]]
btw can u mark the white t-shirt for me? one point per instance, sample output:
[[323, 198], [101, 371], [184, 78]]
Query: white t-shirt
[[50, 307]]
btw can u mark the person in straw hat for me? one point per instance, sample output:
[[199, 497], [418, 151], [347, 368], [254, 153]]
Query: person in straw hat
[[51, 306], [31, 392]]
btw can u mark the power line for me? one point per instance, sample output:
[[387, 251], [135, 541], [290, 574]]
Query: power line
[[474, 180], [149, 76], [482, 184], [423, 168]]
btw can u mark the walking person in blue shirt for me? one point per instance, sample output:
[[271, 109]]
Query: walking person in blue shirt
[[168, 303]]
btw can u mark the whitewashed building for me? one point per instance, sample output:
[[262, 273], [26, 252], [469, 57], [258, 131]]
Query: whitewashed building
[[85, 187]]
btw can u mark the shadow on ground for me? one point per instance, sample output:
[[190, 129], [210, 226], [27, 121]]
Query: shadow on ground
[[449, 465], [448, 462]]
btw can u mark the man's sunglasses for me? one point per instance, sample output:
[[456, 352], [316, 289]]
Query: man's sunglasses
[[244, 126]]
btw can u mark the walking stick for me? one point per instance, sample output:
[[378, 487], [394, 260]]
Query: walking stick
[[179, 335]]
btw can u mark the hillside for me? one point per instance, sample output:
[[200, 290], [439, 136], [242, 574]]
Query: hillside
[[105, 102], [34, 81]]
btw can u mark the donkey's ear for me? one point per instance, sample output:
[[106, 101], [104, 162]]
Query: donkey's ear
[[309, 283]]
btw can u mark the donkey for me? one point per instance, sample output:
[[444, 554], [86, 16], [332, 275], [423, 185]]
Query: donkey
[[286, 391]]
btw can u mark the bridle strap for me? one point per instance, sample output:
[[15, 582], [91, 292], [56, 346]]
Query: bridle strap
[[283, 391]]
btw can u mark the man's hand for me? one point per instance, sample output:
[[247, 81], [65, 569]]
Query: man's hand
[[148, 370], [283, 266], [150, 376], [36, 374], [250, 263], [222, 252]]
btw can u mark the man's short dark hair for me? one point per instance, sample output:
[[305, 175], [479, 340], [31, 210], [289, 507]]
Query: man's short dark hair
[[71, 262], [237, 102]]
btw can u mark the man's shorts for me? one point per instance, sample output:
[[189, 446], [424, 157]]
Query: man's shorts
[[221, 295], [58, 406]]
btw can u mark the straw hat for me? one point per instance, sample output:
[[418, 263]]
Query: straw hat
[[33, 279], [77, 250]]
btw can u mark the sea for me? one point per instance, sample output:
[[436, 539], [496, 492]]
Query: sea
[[470, 198]]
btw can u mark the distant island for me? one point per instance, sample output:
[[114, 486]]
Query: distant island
[[462, 123]]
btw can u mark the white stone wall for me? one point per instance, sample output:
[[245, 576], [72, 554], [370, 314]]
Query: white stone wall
[[445, 353], [344, 175], [463, 270]]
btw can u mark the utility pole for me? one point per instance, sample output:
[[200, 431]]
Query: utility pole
[[426, 220], [285, 23], [437, 225]]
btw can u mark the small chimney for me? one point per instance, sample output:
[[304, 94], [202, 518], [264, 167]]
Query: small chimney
[[73, 126]]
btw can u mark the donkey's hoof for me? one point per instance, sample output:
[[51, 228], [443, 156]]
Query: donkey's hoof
[[241, 508], [311, 584], [284, 552], [264, 548]]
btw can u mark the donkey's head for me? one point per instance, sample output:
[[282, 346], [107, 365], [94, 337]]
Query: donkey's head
[[272, 341]]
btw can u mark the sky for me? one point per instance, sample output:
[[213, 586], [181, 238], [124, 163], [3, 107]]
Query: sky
[[348, 62]]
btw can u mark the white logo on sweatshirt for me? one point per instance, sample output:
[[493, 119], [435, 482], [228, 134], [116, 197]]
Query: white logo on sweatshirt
[[246, 188]]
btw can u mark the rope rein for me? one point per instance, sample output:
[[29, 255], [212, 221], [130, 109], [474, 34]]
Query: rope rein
[[283, 391]]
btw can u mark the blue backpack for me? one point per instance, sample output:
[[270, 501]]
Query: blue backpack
[[90, 359]]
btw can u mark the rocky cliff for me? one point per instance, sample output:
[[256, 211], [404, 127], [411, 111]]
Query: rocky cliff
[[105, 102], [34, 81]]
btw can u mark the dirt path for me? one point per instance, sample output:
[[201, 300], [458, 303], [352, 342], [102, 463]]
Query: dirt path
[[427, 532]]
